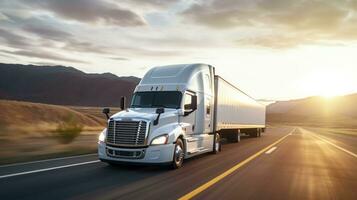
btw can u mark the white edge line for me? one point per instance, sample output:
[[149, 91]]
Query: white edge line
[[46, 160], [271, 150], [48, 169], [335, 145]]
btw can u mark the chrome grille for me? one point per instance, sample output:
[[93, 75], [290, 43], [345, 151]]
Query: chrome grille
[[127, 133]]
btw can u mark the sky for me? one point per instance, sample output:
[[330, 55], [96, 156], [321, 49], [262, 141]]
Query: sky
[[271, 49]]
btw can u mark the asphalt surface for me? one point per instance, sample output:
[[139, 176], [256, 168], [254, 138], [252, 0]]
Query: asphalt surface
[[303, 165]]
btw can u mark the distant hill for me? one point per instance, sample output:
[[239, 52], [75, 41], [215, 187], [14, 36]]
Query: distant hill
[[33, 117], [337, 111], [63, 85]]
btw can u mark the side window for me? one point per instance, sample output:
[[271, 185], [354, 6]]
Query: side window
[[188, 102]]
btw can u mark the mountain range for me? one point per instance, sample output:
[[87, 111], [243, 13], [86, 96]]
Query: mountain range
[[62, 85], [334, 111]]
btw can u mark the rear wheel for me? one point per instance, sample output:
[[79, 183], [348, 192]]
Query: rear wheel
[[178, 154], [232, 135], [254, 133], [237, 136]]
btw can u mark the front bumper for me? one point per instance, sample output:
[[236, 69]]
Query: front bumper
[[152, 154]]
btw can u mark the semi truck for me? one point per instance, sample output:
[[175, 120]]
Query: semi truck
[[177, 112]]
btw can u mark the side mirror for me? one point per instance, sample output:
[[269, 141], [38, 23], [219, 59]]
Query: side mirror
[[187, 112], [106, 111], [159, 111], [192, 106], [122, 103]]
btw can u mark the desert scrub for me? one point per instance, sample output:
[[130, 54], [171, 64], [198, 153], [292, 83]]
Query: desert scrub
[[68, 129]]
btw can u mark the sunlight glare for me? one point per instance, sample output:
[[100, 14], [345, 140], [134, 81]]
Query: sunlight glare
[[324, 83]]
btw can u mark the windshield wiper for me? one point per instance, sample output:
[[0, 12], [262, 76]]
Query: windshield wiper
[[137, 106], [159, 106]]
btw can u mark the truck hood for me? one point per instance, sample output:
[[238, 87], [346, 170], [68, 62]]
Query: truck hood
[[145, 114]]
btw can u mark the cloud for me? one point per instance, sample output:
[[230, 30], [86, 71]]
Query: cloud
[[287, 20], [42, 55], [215, 16], [47, 32], [89, 11], [275, 41], [13, 39], [3, 17], [6, 56], [155, 3], [119, 58], [151, 52], [68, 40], [290, 13], [42, 37], [86, 47]]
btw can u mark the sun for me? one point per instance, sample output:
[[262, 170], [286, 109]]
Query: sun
[[328, 90], [329, 97]]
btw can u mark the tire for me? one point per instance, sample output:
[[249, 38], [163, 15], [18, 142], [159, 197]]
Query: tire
[[259, 132], [232, 136], [217, 146], [236, 138], [179, 153], [254, 133]]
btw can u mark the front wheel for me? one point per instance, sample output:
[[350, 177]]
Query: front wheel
[[178, 154]]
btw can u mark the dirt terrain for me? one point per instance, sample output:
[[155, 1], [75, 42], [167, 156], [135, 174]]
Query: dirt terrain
[[28, 131]]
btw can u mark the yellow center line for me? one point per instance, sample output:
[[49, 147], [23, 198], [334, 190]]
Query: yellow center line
[[327, 141], [229, 171]]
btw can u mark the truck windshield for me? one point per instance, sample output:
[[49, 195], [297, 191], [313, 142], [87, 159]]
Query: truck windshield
[[165, 99]]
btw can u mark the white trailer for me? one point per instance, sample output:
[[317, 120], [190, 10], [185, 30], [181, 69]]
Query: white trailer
[[236, 112], [177, 112]]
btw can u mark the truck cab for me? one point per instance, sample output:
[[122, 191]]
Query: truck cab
[[169, 118]]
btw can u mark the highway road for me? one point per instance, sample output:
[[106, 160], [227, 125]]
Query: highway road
[[285, 163]]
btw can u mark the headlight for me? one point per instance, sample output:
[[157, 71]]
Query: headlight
[[162, 139], [102, 135]]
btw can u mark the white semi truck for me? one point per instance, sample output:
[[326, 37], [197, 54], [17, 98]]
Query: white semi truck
[[177, 112]]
